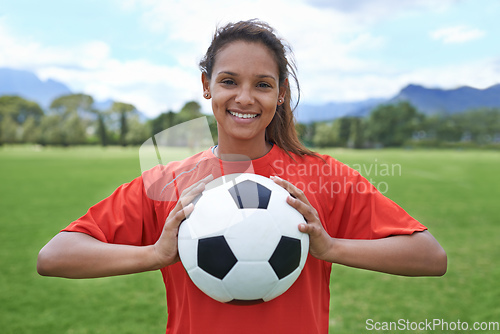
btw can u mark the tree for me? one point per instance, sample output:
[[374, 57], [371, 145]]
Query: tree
[[73, 131], [31, 131], [393, 124], [138, 132], [306, 133], [14, 110], [19, 109], [356, 138], [79, 104], [76, 115], [102, 132], [51, 130], [447, 129], [163, 121], [324, 135], [8, 130], [341, 128], [189, 111], [123, 110], [212, 124], [482, 125]]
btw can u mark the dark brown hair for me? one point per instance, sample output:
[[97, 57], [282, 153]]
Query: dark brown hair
[[281, 131]]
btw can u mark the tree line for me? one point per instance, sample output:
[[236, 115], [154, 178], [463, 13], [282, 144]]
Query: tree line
[[402, 125], [74, 120]]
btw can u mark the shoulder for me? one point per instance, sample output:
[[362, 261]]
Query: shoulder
[[164, 181], [160, 170]]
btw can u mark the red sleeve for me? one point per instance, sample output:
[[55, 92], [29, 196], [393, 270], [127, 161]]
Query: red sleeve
[[360, 211], [125, 217]]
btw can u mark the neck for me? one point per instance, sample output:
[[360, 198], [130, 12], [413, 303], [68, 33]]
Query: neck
[[241, 149]]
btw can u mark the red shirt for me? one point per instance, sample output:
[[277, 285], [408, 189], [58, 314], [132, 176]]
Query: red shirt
[[348, 206]]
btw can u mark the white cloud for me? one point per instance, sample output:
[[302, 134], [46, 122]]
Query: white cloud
[[89, 68], [332, 42], [316, 35], [369, 11], [22, 52], [457, 34], [151, 88], [384, 82]]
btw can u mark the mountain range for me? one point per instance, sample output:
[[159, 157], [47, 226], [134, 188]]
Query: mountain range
[[427, 100], [29, 86]]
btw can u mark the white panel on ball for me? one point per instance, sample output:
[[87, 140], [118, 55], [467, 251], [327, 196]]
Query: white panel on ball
[[304, 244], [210, 285], [283, 285], [250, 280], [190, 250], [286, 217], [253, 236], [210, 217]]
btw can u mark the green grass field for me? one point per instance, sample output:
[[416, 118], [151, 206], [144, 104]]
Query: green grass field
[[454, 193]]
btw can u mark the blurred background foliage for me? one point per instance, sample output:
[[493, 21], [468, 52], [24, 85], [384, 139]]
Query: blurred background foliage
[[74, 120]]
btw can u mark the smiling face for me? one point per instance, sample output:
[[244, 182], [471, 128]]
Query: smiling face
[[244, 87]]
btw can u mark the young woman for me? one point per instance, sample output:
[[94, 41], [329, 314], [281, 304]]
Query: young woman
[[246, 74]]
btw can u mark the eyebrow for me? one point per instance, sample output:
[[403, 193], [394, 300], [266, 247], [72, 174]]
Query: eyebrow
[[261, 76]]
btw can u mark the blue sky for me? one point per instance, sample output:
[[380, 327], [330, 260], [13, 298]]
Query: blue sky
[[145, 52]]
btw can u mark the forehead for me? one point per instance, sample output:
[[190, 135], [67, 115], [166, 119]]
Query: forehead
[[244, 56]]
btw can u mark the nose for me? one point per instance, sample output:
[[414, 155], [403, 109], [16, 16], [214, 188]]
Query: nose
[[244, 96]]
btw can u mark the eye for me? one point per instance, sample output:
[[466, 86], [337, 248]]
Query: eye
[[228, 82], [264, 85]]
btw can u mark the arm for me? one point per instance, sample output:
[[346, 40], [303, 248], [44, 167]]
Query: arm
[[78, 255], [418, 254]]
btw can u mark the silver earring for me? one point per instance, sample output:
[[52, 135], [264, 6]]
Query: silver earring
[[206, 94], [280, 100]]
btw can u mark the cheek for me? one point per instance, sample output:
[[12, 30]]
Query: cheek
[[271, 104]]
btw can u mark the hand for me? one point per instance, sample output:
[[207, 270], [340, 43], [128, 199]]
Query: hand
[[319, 240], [165, 248]]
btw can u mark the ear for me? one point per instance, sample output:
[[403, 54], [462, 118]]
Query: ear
[[206, 85], [282, 92]]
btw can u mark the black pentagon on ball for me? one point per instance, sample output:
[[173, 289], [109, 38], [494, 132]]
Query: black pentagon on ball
[[286, 256], [249, 194], [215, 256]]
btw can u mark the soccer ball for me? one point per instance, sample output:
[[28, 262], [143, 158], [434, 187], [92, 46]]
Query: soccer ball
[[241, 243]]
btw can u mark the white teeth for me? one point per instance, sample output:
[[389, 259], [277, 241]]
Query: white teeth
[[242, 115]]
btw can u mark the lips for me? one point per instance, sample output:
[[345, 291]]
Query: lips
[[242, 115]]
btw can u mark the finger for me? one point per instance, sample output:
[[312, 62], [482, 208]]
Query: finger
[[190, 196], [190, 193], [288, 186], [311, 229], [185, 212], [291, 188], [305, 209], [197, 184], [179, 216], [305, 228]]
